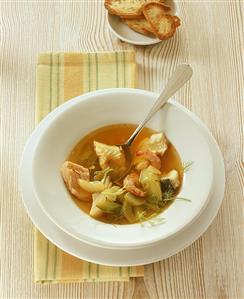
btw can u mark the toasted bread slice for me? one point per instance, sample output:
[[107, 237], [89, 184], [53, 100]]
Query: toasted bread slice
[[177, 21], [164, 25], [129, 9], [140, 25]]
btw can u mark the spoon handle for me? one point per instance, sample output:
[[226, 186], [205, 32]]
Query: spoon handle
[[181, 75]]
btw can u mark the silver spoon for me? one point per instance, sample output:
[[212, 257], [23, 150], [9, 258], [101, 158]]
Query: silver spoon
[[181, 75]]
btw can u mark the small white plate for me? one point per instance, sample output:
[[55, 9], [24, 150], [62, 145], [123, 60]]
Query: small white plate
[[124, 33], [79, 116], [139, 256]]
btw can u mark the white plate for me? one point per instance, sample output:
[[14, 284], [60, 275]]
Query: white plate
[[123, 31], [139, 256], [74, 119]]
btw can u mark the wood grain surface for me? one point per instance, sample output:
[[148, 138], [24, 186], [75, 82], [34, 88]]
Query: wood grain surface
[[211, 39]]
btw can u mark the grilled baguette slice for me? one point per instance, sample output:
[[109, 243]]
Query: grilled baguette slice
[[163, 24], [129, 9], [140, 25]]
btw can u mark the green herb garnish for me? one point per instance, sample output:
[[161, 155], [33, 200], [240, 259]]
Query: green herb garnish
[[141, 216], [183, 198], [187, 165], [168, 195]]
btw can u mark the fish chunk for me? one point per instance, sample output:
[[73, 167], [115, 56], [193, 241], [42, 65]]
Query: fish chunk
[[157, 144], [170, 181], [109, 155], [71, 172]]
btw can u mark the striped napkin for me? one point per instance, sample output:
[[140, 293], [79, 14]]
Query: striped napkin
[[60, 77]]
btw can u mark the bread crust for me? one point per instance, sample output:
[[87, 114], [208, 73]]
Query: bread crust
[[177, 21]]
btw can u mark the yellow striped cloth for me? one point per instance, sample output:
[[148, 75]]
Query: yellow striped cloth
[[60, 77]]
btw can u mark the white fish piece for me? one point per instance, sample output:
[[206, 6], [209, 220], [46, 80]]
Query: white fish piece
[[157, 143], [173, 177], [109, 154]]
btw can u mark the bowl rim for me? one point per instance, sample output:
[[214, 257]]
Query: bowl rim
[[60, 109]]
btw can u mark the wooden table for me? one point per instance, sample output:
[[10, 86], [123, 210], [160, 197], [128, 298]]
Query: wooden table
[[210, 39]]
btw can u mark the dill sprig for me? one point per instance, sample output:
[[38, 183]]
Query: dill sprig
[[157, 221], [183, 198], [152, 219], [168, 195], [187, 165]]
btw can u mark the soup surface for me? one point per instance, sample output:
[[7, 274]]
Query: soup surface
[[85, 155]]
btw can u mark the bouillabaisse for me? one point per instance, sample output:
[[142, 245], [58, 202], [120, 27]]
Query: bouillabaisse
[[152, 184]]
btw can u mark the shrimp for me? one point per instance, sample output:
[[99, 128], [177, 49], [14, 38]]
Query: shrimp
[[150, 159], [71, 172], [131, 183]]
